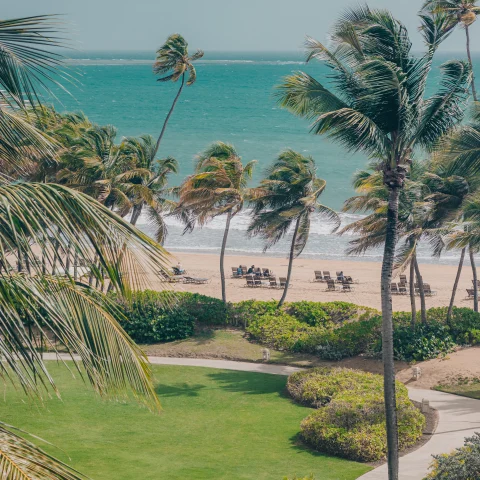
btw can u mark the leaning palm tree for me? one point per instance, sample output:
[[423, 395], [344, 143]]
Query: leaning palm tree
[[42, 217], [373, 100], [173, 59], [218, 187], [457, 12], [286, 198], [145, 182]]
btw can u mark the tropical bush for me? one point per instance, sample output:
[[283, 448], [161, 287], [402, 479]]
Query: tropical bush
[[350, 416], [462, 464], [156, 317], [285, 332]]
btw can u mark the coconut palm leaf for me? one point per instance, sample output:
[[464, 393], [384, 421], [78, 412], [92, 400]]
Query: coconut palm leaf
[[21, 460]]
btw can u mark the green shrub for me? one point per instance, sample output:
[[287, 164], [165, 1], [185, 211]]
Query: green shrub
[[154, 317], [462, 464], [242, 313], [206, 310], [350, 339], [312, 313], [425, 342], [350, 416], [284, 332]]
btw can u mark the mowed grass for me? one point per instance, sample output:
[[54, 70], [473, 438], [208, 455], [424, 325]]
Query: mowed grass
[[215, 424]]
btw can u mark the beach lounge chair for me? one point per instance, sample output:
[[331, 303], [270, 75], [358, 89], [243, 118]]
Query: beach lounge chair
[[394, 289], [428, 291], [267, 273], [196, 280], [273, 282], [318, 276], [283, 282], [258, 281], [326, 275], [235, 273], [347, 287], [244, 269], [250, 281], [402, 289], [403, 279], [331, 286], [470, 293]]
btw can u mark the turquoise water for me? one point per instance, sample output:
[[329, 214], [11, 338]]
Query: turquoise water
[[232, 101]]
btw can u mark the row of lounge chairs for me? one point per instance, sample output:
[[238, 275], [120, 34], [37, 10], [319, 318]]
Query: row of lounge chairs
[[253, 281], [258, 272], [326, 277], [401, 289], [333, 287]]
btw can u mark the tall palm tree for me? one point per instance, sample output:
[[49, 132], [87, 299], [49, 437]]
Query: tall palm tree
[[286, 198], [457, 12], [145, 182], [43, 217], [174, 61], [218, 187], [463, 13], [373, 100]]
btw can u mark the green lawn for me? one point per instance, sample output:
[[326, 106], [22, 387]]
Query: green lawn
[[467, 389], [215, 424]]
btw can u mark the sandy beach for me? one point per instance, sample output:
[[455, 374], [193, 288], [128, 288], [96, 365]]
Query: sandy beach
[[367, 291]]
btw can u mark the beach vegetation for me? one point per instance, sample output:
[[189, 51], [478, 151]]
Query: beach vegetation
[[288, 198], [218, 187], [349, 420], [373, 100]]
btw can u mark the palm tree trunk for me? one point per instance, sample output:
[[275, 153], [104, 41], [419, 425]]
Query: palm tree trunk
[[168, 116], [467, 34], [56, 255], [90, 278], [475, 281], [421, 290], [137, 211], [387, 334], [455, 286], [67, 260], [412, 293], [222, 256], [290, 264]]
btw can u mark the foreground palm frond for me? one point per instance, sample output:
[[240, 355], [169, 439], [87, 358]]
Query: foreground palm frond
[[21, 460], [84, 321], [48, 218]]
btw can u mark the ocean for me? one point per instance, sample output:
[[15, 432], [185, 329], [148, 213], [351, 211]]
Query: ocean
[[233, 100]]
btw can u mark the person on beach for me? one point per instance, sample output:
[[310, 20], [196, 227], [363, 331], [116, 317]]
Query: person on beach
[[341, 276], [178, 270], [251, 270], [239, 270]]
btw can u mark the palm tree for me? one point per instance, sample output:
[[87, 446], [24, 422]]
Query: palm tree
[[457, 12], [145, 182], [375, 103], [43, 217], [286, 198], [218, 187], [173, 59], [464, 13]]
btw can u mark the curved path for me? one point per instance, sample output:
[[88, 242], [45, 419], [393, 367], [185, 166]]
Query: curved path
[[459, 417]]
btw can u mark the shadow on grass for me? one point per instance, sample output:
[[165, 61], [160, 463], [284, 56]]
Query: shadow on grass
[[249, 383], [298, 445], [179, 389]]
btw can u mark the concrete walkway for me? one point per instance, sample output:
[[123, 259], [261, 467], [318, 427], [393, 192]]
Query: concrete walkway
[[459, 417]]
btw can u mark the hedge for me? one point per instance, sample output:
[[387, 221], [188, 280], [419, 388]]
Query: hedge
[[331, 330], [350, 416]]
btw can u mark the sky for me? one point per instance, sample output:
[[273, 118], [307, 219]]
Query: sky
[[215, 25]]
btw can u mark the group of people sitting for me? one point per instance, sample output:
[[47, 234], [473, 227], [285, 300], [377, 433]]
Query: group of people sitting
[[254, 271]]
